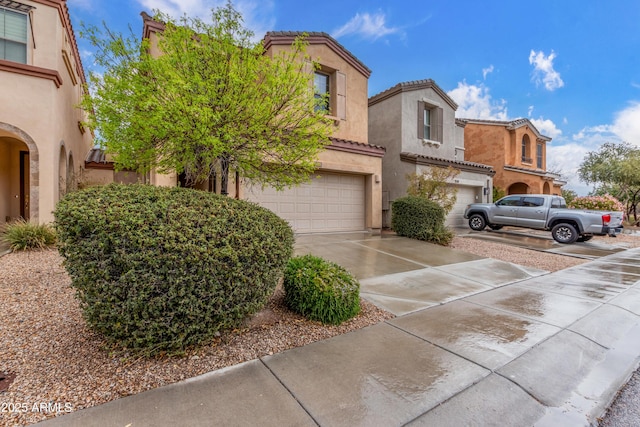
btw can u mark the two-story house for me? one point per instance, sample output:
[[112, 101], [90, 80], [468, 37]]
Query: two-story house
[[415, 121], [42, 141], [516, 150], [344, 193]]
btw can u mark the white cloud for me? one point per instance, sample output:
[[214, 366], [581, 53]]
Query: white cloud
[[475, 102], [369, 26], [543, 71], [546, 127], [486, 71], [627, 124], [257, 15], [530, 111]]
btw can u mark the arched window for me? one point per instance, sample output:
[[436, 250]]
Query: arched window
[[526, 149]]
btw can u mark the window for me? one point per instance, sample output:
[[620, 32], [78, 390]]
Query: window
[[539, 156], [510, 201], [532, 201], [13, 36], [525, 149], [558, 203], [322, 92], [429, 122]]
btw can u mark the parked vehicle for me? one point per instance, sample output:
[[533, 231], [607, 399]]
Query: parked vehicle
[[544, 212]]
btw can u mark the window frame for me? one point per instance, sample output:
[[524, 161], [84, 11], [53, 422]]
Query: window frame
[[539, 156], [4, 39], [436, 122], [326, 94]]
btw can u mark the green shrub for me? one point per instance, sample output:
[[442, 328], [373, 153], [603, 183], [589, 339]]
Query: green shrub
[[162, 269], [22, 235], [498, 193], [419, 218], [321, 290], [598, 203]]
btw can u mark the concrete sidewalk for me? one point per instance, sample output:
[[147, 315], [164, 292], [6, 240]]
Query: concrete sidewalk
[[476, 342]]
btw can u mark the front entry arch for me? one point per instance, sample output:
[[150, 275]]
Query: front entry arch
[[19, 175], [518, 188]]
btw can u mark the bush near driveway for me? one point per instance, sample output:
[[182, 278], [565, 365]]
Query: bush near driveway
[[321, 290], [161, 269], [419, 218]]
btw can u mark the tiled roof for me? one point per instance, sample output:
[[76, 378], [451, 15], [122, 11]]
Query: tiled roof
[[411, 86], [509, 125], [438, 161], [340, 144], [316, 37]]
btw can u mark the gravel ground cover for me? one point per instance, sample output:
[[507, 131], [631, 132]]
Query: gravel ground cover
[[51, 363]]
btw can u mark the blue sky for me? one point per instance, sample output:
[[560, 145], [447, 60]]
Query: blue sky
[[571, 66]]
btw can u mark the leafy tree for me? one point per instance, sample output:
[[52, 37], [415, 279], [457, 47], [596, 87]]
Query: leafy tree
[[615, 170], [433, 185], [212, 101], [568, 195]]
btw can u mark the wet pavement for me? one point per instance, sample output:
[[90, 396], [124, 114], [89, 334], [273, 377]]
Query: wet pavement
[[476, 342]]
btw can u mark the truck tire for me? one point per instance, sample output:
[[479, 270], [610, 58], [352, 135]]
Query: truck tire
[[477, 222], [564, 233]]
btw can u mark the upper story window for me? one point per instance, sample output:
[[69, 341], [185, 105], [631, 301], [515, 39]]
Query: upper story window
[[526, 149], [322, 92], [13, 36], [539, 156], [429, 122]]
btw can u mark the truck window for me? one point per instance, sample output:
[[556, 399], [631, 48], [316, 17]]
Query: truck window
[[558, 203], [509, 201], [533, 201]]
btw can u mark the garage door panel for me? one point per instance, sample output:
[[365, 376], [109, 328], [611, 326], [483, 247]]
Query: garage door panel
[[466, 195], [330, 202]]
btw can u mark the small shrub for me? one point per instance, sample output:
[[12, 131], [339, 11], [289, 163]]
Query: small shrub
[[321, 290], [23, 235], [162, 269], [498, 193], [598, 203], [419, 218]]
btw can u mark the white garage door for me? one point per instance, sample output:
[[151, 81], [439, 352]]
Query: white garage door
[[466, 195], [330, 202]]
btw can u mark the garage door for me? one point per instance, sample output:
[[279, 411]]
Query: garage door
[[466, 195], [330, 202]]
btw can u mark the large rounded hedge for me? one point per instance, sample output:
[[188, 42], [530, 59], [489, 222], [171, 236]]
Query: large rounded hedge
[[161, 269], [420, 218]]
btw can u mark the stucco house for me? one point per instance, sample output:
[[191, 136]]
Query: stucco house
[[345, 191], [518, 153], [415, 121], [42, 141]]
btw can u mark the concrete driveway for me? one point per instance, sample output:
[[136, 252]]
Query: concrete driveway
[[404, 275]]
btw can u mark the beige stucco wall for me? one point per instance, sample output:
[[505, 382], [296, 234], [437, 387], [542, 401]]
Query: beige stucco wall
[[34, 110]]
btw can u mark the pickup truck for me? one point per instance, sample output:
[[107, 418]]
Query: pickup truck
[[544, 212]]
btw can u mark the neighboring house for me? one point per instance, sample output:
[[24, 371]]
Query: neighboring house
[[517, 152], [42, 141], [345, 192], [415, 121]]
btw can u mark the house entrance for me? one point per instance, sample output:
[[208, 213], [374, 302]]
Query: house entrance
[[14, 180]]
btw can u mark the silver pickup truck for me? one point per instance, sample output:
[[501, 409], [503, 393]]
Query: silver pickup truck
[[544, 212]]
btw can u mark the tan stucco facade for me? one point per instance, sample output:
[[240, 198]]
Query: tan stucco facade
[[42, 144], [516, 151]]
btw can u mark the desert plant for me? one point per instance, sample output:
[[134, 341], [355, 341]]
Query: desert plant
[[321, 290], [600, 203], [498, 193], [23, 235], [419, 218], [161, 269]]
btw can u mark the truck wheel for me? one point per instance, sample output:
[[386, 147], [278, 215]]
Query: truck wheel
[[477, 222], [584, 238], [564, 233], [495, 226]]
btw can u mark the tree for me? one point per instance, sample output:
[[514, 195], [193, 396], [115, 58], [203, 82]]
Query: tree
[[433, 185], [212, 101], [568, 195], [615, 170]]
